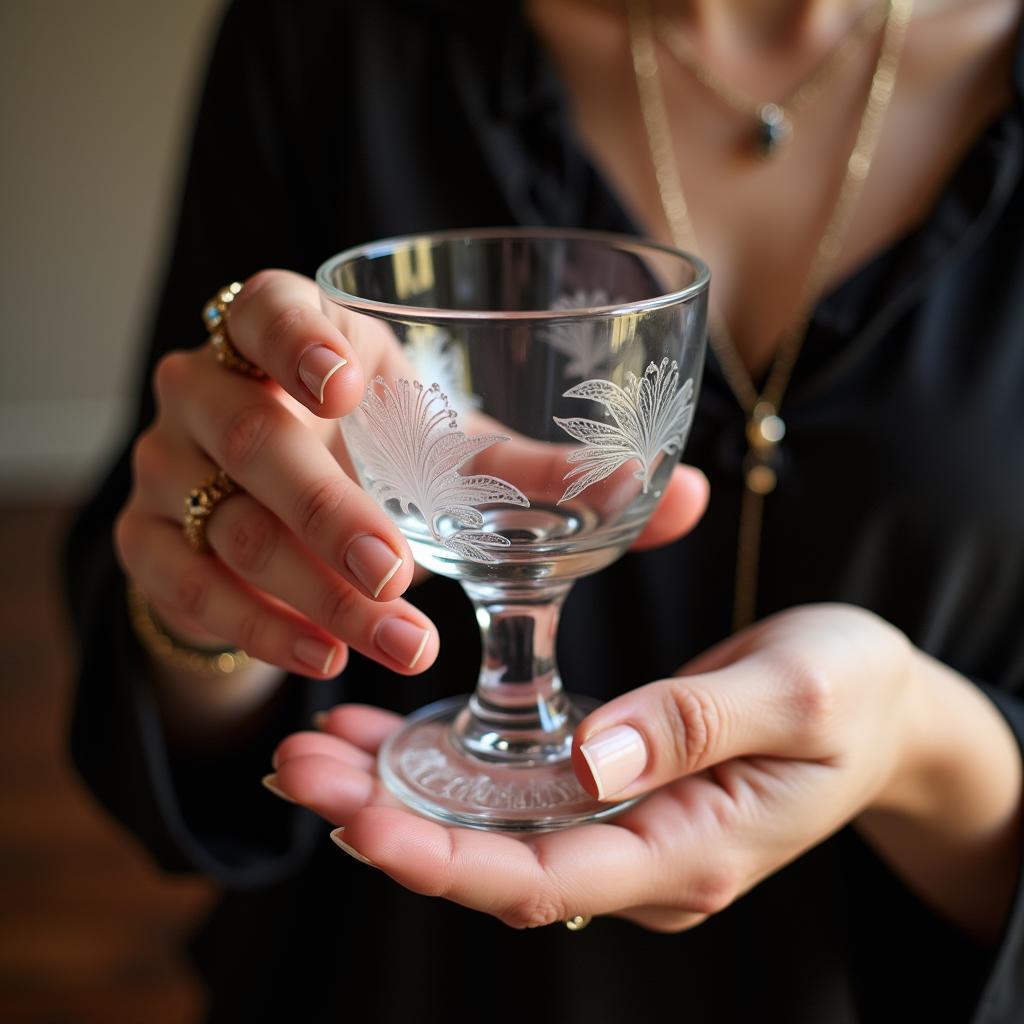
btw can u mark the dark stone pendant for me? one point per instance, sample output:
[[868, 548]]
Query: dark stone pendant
[[773, 129]]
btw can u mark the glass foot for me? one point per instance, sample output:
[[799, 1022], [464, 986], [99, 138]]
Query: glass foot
[[423, 767]]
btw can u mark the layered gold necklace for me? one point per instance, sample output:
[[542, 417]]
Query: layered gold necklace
[[765, 427]]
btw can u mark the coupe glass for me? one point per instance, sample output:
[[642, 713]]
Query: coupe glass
[[528, 393]]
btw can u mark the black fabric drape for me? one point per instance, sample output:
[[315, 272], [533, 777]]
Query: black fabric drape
[[326, 124]]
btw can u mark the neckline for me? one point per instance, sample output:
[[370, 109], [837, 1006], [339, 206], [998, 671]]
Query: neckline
[[980, 184]]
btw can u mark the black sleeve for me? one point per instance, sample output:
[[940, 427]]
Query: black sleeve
[[243, 208], [1003, 995]]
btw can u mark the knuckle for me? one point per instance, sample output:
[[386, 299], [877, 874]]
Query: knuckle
[[192, 593], [244, 435], [282, 326], [318, 506], [812, 698], [536, 909], [256, 283], [251, 539], [170, 375], [251, 630], [147, 457], [693, 723], [336, 606], [712, 891]]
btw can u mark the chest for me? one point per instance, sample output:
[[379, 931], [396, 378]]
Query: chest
[[758, 222]]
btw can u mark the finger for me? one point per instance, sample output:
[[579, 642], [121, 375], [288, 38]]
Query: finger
[[197, 589], [305, 744], [362, 725], [280, 462], [255, 545], [276, 323], [330, 787], [679, 510], [548, 878], [757, 705]]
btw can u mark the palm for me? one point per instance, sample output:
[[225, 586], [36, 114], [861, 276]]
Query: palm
[[640, 866]]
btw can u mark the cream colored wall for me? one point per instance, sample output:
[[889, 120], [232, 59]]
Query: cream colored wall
[[95, 96]]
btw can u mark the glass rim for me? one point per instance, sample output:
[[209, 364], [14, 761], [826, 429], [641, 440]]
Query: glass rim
[[399, 310]]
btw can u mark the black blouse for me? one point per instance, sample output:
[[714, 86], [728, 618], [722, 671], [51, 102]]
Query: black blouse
[[325, 123]]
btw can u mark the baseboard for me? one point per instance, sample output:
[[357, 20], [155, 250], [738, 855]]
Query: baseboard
[[55, 451]]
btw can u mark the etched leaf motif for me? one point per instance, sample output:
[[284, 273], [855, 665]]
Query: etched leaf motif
[[649, 415], [580, 341], [434, 356], [412, 455]]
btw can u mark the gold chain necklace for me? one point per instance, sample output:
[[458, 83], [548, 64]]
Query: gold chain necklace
[[773, 121], [765, 428]]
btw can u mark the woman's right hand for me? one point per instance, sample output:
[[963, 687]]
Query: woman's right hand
[[304, 564]]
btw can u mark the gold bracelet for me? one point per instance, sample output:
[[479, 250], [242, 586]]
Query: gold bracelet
[[157, 641]]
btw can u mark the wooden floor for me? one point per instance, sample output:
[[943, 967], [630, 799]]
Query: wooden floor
[[90, 933]]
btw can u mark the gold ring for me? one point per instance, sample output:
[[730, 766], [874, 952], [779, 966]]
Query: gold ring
[[201, 502], [578, 923], [215, 318]]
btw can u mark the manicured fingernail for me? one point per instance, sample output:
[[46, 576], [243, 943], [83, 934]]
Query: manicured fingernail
[[336, 836], [270, 781], [401, 640], [372, 562], [314, 654], [316, 367], [320, 720], [616, 758]]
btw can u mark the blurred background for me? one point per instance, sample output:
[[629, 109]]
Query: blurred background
[[95, 100]]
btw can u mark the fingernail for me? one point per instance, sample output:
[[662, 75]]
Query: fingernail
[[316, 367], [372, 562], [320, 720], [616, 758], [270, 781], [314, 654], [342, 845], [401, 640]]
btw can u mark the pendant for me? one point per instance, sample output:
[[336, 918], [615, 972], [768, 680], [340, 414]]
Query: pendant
[[774, 129]]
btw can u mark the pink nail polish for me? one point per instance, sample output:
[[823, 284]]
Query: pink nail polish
[[617, 757], [372, 562], [317, 366], [314, 654], [401, 640]]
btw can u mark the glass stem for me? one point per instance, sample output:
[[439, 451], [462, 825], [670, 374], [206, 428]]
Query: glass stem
[[519, 712]]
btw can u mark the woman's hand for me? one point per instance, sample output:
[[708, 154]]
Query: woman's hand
[[303, 564], [758, 750]]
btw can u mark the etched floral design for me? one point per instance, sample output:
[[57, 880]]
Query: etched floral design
[[427, 768], [580, 340], [432, 355], [649, 415], [412, 455]]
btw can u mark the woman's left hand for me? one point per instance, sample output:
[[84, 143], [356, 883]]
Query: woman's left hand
[[756, 751]]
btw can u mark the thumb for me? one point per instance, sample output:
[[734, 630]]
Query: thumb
[[676, 727]]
